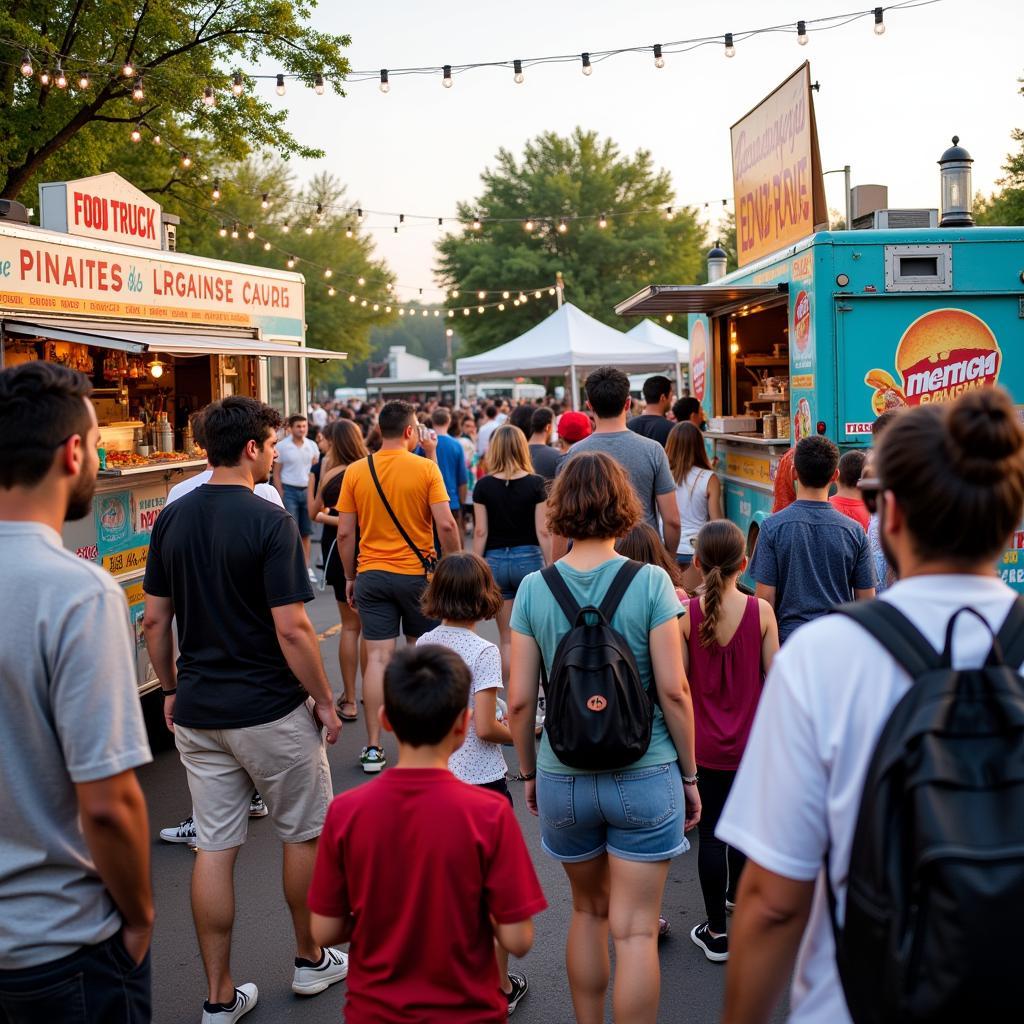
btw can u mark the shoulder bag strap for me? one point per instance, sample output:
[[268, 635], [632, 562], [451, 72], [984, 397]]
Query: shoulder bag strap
[[896, 633], [617, 590], [562, 594], [1011, 635], [427, 567]]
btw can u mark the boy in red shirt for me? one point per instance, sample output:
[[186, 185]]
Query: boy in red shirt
[[422, 872], [847, 498]]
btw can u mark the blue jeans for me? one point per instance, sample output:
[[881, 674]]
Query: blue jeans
[[511, 566], [296, 501], [99, 984], [634, 815]]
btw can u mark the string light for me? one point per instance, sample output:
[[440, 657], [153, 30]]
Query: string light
[[504, 295], [267, 247], [385, 85], [363, 304], [801, 33], [528, 226], [157, 140], [27, 70], [128, 69], [318, 85], [286, 227], [186, 161], [446, 73], [449, 333], [659, 61], [328, 272], [234, 231], [290, 262], [518, 77], [209, 96], [348, 232], [602, 221], [481, 295], [279, 87], [83, 80], [401, 310], [668, 318], [730, 49], [879, 13], [138, 93], [501, 307], [319, 211], [476, 224], [251, 233], [361, 282], [136, 135], [551, 291], [61, 80], [216, 190], [455, 293], [480, 309], [265, 201], [237, 85], [332, 291], [465, 312], [587, 69], [222, 231], [668, 213], [308, 229], [44, 77], [537, 294], [563, 226]]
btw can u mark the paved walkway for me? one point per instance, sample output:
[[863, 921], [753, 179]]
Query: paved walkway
[[691, 986]]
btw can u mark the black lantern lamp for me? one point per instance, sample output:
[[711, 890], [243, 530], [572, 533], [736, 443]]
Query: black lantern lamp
[[957, 194]]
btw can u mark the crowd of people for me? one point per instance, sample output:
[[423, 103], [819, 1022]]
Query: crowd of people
[[653, 674]]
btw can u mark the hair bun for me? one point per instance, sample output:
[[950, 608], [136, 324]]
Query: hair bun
[[983, 431]]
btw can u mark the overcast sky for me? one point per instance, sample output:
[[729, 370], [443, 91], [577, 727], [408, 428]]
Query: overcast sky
[[888, 105]]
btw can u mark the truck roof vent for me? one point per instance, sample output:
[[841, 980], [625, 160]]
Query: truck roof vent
[[898, 219]]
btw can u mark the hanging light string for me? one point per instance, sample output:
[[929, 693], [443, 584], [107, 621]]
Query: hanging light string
[[505, 297], [51, 73]]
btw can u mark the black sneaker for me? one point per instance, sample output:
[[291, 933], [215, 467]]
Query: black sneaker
[[716, 948], [520, 986]]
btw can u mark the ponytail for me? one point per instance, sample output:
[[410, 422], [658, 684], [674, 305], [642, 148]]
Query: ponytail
[[720, 547]]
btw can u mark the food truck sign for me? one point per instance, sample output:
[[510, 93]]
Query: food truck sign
[[778, 187], [103, 206]]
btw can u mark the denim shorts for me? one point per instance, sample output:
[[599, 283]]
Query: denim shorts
[[634, 815], [296, 501], [511, 566]]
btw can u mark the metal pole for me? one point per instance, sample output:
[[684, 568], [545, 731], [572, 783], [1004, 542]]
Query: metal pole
[[849, 199], [559, 289], [455, 403], [574, 386]]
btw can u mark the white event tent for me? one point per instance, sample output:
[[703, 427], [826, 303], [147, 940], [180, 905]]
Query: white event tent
[[654, 334], [568, 341]]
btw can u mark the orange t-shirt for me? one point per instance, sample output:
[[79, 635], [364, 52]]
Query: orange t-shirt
[[412, 484], [785, 481], [852, 507]]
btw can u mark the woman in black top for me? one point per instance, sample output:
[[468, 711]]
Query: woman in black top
[[345, 447], [510, 528]]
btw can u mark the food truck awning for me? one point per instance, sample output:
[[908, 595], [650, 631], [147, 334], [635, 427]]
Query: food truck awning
[[165, 342], [658, 299]]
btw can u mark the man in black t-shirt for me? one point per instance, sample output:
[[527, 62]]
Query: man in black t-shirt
[[545, 458], [229, 568], [657, 402]]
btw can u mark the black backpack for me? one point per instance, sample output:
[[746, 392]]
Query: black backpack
[[599, 714], [935, 894]]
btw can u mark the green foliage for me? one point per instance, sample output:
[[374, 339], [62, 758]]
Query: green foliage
[[178, 48], [577, 176], [1006, 207], [333, 322]]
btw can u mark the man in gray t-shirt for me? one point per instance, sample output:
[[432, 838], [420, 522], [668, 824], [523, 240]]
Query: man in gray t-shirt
[[74, 833], [643, 459]]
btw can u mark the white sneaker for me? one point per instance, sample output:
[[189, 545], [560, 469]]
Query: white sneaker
[[310, 981], [183, 832], [245, 999], [257, 808], [313, 576]]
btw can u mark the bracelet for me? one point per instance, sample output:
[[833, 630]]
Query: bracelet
[[525, 776], [689, 780], [169, 693]]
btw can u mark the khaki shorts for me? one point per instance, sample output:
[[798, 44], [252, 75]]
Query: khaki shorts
[[286, 762]]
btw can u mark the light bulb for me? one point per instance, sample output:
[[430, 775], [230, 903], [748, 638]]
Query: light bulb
[[668, 318], [308, 229], [401, 218], [61, 80], [426, 312], [387, 309], [265, 201], [376, 307], [449, 333], [216, 191], [455, 293], [234, 231], [128, 69], [518, 77], [290, 262], [328, 272], [401, 311], [480, 309], [359, 215], [501, 307], [26, 65], [515, 302], [156, 369], [186, 161], [157, 140], [267, 247], [451, 312], [481, 295], [279, 87], [319, 211], [348, 232], [138, 93], [209, 97], [504, 295], [83, 80], [801, 33], [437, 312], [286, 227], [363, 304], [668, 213], [385, 85], [318, 85], [522, 298], [730, 50], [465, 312], [476, 224], [528, 226], [602, 221], [551, 291], [879, 23], [361, 282], [537, 294], [237, 85], [446, 80], [251, 233], [587, 69], [222, 231], [136, 135], [659, 61], [563, 227], [44, 77], [351, 298], [331, 291], [389, 287]]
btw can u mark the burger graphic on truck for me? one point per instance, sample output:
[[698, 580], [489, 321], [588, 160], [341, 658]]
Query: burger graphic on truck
[[941, 355]]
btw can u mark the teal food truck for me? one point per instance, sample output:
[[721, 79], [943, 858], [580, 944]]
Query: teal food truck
[[827, 333]]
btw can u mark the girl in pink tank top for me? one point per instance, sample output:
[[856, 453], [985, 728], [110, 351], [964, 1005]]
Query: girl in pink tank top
[[730, 640]]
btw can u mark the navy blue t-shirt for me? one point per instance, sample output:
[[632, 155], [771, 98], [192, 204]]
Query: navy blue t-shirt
[[815, 557]]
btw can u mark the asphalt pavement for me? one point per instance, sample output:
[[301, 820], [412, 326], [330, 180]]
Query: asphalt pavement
[[691, 986]]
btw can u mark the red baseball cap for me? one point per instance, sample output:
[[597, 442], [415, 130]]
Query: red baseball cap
[[574, 426]]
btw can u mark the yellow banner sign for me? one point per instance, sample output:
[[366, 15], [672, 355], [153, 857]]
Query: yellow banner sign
[[749, 467], [126, 561], [777, 184]]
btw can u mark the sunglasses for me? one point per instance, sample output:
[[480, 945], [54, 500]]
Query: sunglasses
[[870, 488]]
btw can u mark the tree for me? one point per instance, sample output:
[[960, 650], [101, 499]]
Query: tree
[[579, 176], [342, 321], [177, 48], [1006, 206]]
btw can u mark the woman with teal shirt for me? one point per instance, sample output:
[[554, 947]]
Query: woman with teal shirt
[[616, 831]]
